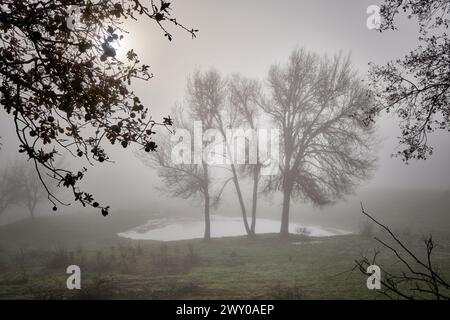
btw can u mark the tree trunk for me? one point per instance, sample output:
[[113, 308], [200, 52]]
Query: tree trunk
[[207, 235], [255, 198], [287, 191], [241, 199], [32, 213], [31, 205], [237, 186]]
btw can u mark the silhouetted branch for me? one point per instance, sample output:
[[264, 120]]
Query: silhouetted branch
[[416, 87], [66, 89], [421, 280]]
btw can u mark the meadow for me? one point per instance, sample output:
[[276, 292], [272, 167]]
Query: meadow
[[263, 267]]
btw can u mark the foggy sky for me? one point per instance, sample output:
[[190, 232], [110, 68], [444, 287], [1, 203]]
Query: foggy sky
[[248, 36]]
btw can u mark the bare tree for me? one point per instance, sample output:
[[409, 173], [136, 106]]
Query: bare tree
[[10, 188], [34, 193], [184, 180], [32, 190], [244, 94], [420, 278], [20, 184], [325, 149], [207, 98]]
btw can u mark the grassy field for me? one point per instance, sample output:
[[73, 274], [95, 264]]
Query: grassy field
[[226, 268]]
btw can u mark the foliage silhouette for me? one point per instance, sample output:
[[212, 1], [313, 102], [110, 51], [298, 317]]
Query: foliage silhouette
[[420, 279], [416, 87], [65, 88]]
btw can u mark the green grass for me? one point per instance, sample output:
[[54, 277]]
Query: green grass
[[228, 268]]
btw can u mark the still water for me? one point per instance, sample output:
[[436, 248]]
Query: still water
[[171, 229]]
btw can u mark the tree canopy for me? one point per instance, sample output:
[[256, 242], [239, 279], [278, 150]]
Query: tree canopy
[[416, 87], [64, 87], [325, 148]]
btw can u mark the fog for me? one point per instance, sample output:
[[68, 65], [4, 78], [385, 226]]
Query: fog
[[248, 37], [245, 37]]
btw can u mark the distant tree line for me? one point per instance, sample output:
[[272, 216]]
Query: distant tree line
[[21, 186]]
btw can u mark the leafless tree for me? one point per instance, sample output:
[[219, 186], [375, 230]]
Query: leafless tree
[[325, 149], [420, 279], [10, 188], [187, 181], [207, 95], [32, 190], [244, 94], [20, 184]]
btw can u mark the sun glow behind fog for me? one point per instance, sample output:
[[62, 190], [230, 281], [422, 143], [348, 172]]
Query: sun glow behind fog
[[130, 35], [121, 48]]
